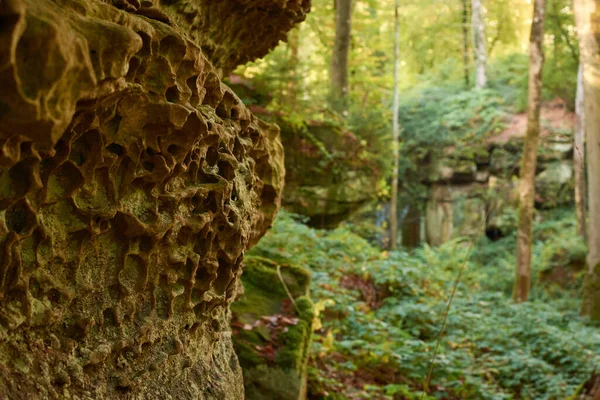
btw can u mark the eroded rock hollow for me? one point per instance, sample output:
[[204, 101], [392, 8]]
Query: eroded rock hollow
[[132, 182]]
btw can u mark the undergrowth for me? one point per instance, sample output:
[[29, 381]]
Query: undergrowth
[[380, 314]]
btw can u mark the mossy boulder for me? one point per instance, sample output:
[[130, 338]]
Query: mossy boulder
[[502, 201], [485, 176], [329, 172], [504, 162], [272, 325], [554, 186], [457, 164], [552, 149]]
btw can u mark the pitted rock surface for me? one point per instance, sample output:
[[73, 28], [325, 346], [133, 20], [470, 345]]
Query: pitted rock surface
[[131, 183], [230, 32]]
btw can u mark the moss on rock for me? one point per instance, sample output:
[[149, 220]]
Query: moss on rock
[[272, 330], [329, 172], [554, 186]]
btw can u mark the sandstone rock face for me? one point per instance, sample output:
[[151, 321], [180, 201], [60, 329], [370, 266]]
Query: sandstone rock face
[[234, 32], [132, 181], [481, 180], [329, 176]]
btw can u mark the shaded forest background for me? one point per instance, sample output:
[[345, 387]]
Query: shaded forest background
[[379, 314]]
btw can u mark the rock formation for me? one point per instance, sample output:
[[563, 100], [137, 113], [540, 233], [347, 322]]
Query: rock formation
[[467, 184], [329, 176], [273, 322], [330, 172], [132, 182]]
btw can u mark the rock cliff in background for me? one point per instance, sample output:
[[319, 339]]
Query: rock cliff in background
[[132, 182], [471, 182], [328, 174]]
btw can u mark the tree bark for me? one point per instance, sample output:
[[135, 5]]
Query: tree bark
[[411, 227], [465, 29], [579, 158], [587, 14], [395, 131], [478, 44], [528, 163], [339, 59], [292, 87]]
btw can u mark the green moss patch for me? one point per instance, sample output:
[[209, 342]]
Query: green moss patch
[[272, 326]]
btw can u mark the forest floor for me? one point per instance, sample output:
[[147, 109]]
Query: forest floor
[[380, 315], [555, 117]]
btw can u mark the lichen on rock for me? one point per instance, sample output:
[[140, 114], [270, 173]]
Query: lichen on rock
[[132, 182]]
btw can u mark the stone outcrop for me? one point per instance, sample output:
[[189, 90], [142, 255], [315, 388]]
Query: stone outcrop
[[470, 183], [132, 182], [328, 173], [230, 32], [272, 329]]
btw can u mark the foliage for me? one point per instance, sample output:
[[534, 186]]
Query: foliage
[[437, 108], [381, 314], [439, 115]]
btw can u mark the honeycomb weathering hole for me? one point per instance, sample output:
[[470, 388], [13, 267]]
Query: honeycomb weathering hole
[[172, 94], [212, 156], [115, 148], [19, 218]]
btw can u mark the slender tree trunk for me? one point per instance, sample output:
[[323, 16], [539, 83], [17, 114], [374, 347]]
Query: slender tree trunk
[[339, 59], [527, 182], [292, 89], [478, 44], [395, 131], [411, 227], [579, 159], [587, 14], [465, 29]]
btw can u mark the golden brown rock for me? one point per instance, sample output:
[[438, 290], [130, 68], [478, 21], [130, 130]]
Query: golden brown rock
[[230, 32], [131, 182]]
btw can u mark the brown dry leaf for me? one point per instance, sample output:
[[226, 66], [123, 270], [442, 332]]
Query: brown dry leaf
[[289, 321]]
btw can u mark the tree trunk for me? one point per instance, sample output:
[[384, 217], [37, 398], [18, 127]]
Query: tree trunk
[[587, 13], [478, 44], [395, 131], [411, 227], [465, 28], [579, 158], [527, 183], [339, 59], [292, 87]]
